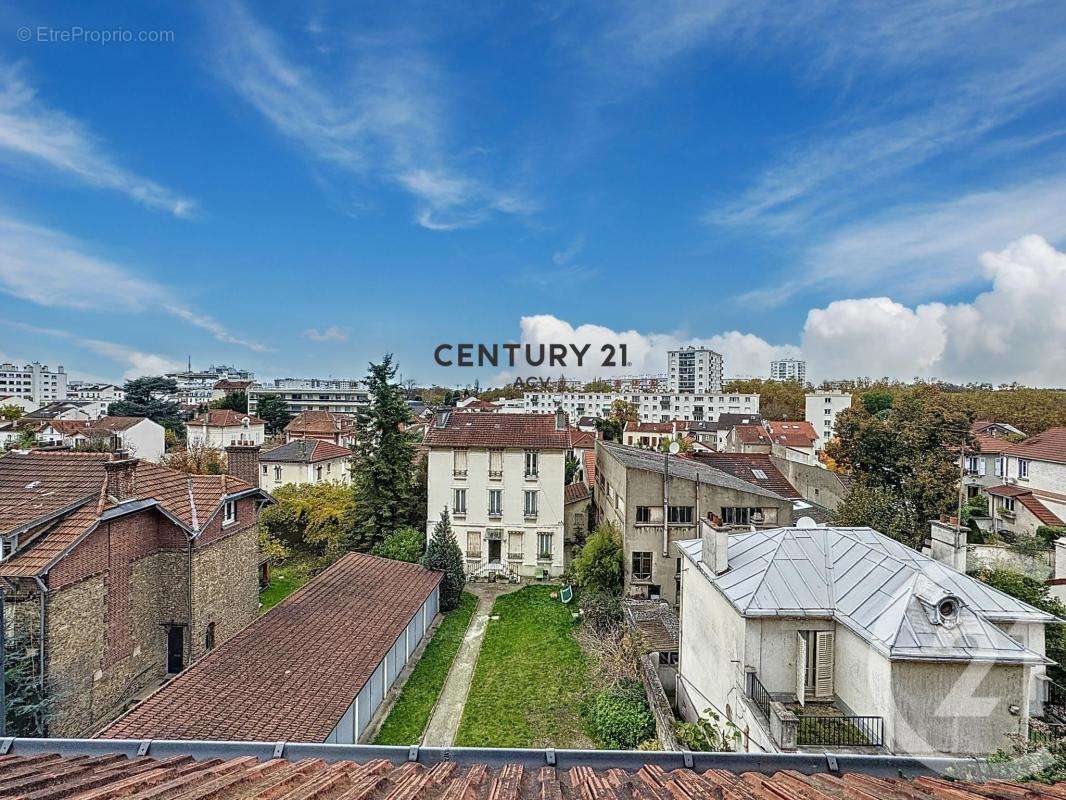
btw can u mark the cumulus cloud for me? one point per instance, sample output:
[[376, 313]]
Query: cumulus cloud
[[1015, 330], [331, 334], [744, 353], [33, 133], [51, 269]]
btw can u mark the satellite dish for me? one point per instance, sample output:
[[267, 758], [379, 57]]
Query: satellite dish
[[675, 448], [806, 522]]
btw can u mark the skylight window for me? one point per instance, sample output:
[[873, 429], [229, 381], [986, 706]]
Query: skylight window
[[758, 473]]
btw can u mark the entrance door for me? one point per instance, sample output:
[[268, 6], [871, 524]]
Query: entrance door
[[175, 648], [495, 549]]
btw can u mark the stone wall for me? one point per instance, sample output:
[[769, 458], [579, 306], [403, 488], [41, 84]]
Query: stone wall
[[815, 483], [225, 578]]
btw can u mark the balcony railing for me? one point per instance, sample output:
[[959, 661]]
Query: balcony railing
[[840, 731], [759, 696]]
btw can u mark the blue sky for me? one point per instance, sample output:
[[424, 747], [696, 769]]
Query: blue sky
[[298, 190]]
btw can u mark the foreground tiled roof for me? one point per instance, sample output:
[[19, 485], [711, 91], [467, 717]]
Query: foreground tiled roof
[[497, 430], [1047, 446], [225, 418], [293, 673], [177, 776], [306, 451], [742, 465], [35, 484]]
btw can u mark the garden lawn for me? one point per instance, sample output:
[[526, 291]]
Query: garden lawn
[[284, 580], [407, 719], [531, 677]]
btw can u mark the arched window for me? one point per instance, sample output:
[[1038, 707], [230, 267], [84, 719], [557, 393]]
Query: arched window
[[209, 637]]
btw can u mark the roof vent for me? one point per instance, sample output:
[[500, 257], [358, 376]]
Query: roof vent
[[33, 485]]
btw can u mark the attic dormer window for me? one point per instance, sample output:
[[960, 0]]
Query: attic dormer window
[[229, 512], [7, 548]]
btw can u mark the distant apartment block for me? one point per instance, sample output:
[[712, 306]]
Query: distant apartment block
[[788, 369], [821, 411], [197, 387], [652, 407], [694, 370], [313, 394], [34, 381], [99, 392]]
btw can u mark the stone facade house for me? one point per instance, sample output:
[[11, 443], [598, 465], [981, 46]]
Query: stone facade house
[[835, 638], [501, 477], [120, 572], [328, 426], [630, 488]]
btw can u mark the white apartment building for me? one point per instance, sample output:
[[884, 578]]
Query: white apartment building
[[221, 428], [694, 370], [788, 369], [197, 387], [106, 393], [34, 381], [652, 407], [313, 394], [836, 638], [821, 411], [501, 477]]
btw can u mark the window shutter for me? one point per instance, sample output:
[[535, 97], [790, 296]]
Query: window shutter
[[823, 665], [801, 667]]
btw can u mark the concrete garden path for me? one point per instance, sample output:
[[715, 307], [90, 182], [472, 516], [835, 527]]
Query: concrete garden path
[[444, 721]]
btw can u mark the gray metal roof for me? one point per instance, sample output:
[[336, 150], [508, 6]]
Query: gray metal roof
[[685, 468], [877, 587]]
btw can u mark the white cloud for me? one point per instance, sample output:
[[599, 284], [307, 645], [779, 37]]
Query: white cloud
[[331, 334], [387, 120], [743, 353], [1015, 330], [31, 133], [53, 270], [137, 362], [925, 249]]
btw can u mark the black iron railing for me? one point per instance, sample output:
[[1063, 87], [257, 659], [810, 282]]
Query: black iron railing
[[758, 694], [840, 731]]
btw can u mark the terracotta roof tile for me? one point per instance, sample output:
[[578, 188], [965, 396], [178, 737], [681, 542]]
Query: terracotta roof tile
[[751, 434], [792, 433], [225, 418], [742, 465], [497, 430], [323, 422], [582, 440], [1047, 446], [35, 484], [575, 493], [292, 674], [590, 467], [352, 773]]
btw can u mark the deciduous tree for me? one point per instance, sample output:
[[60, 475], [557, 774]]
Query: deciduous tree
[[274, 411]]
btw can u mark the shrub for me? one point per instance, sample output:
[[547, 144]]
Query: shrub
[[406, 544], [708, 734], [601, 611], [443, 554], [599, 565], [620, 717]]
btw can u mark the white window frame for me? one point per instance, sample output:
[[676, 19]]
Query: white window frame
[[1023, 468], [496, 509], [532, 463], [530, 508], [229, 513], [542, 553], [458, 501]]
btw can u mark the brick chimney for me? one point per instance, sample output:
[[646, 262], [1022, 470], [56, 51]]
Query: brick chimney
[[120, 473], [242, 461]]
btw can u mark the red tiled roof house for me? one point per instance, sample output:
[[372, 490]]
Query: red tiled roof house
[[128, 570]]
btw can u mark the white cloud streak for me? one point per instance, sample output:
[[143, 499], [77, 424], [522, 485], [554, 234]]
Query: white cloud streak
[[385, 121], [33, 134], [1015, 330], [331, 334], [53, 270]]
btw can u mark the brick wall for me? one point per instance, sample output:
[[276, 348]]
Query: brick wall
[[112, 598]]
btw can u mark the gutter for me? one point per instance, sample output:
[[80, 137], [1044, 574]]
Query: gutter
[[630, 760]]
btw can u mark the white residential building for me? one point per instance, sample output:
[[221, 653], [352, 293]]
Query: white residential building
[[501, 477], [821, 411], [197, 387], [313, 394], [829, 638], [23, 404], [34, 381], [221, 428], [1033, 489], [788, 369], [652, 407], [106, 393], [303, 461], [139, 436], [694, 370]]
